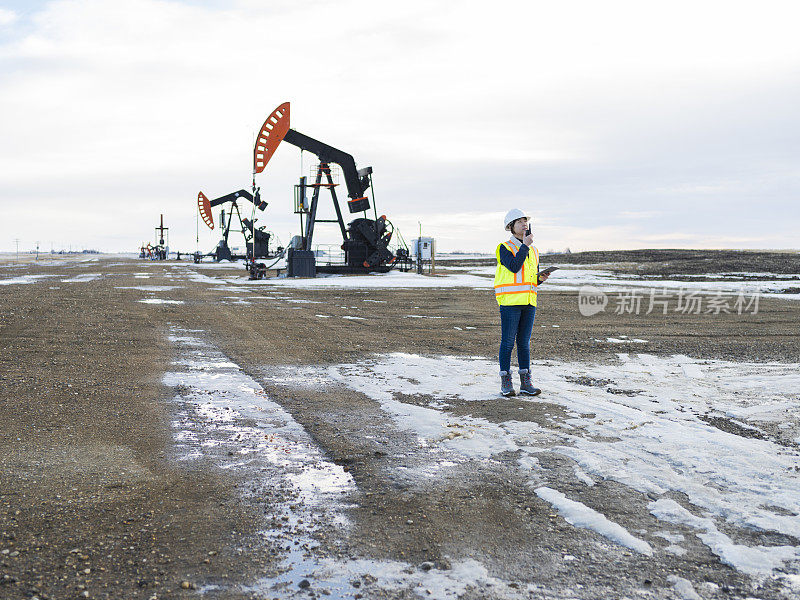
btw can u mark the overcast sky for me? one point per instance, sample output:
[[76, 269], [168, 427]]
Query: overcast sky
[[617, 124]]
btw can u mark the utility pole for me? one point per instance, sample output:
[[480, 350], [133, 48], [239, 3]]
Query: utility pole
[[16, 241]]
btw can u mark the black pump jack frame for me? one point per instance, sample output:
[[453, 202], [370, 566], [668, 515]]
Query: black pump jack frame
[[222, 251], [356, 180]]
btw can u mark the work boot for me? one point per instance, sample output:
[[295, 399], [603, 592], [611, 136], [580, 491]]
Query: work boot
[[525, 386], [506, 387]]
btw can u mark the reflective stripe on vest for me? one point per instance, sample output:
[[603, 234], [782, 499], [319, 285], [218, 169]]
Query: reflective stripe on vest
[[511, 289]]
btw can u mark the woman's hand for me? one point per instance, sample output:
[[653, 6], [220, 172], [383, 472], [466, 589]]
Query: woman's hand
[[528, 240], [543, 277]]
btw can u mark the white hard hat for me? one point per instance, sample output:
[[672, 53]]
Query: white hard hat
[[513, 215]]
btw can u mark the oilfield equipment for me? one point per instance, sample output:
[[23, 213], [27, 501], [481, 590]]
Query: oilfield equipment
[[367, 243], [159, 250], [245, 225], [423, 249]]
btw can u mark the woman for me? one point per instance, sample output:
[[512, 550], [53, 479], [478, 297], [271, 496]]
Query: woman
[[515, 285]]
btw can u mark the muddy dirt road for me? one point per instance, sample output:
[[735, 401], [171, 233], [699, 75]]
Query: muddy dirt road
[[169, 429]]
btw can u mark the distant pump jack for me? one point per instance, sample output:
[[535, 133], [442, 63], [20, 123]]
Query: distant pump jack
[[245, 225], [159, 250]]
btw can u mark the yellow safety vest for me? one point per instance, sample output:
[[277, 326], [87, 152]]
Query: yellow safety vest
[[517, 288]]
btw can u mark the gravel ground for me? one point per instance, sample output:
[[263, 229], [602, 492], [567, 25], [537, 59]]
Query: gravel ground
[[94, 501]]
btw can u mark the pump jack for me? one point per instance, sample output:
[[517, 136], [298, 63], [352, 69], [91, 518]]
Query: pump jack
[[223, 251], [161, 249], [365, 241]]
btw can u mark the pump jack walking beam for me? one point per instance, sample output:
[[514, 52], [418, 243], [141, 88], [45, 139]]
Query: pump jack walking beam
[[356, 180], [276, 129], [205, 205]]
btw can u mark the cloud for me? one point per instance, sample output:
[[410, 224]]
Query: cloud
[[639, 214], [590, 115], [7, 17]]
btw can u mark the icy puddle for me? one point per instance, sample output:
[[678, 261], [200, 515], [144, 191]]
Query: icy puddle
[[85, 278], [223, 416], [148, 288], [644, 421], [24, 279], [160, 301]]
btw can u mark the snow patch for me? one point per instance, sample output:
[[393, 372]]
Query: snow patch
[[758, 560], [226, 417], [148, 288], [683, 587], [24, 279], [392, 279], [583, 477], [469, 436], [160, 301], [333, 579], [580, 515], [83, 278], [200, 278]]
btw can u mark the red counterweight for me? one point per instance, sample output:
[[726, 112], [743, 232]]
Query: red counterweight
[[204, 206], [271, 135]]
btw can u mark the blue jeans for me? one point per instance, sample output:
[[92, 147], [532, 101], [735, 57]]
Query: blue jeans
[[516, 324]]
